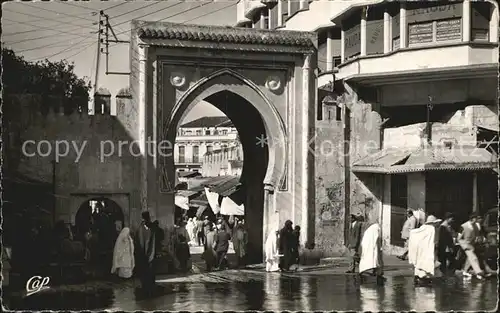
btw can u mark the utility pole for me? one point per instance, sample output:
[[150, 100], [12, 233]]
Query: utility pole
[[107, 41], [98, 57], [428, 124]]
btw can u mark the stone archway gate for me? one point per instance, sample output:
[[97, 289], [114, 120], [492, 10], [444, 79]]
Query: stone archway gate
[[173, 66]]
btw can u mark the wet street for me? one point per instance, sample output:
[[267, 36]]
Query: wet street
[[250, 289]]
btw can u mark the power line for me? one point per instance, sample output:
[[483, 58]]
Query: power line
[[206, 14], [64, 50], [147, 6], [49, 45], [115, 6], [47, 19], [173, 15], [33, 30], [76, 6], [59, 13], [48, 28], [33, 39]]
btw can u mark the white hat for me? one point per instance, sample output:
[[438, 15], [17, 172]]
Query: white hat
[[431, 219]]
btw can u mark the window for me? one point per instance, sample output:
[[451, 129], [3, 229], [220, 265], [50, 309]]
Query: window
[[352, 36], [199, 132], [322, 51], [434, 23], [375, 30], [265, 18], [224, 132], [196, 154], [182, 152], [210, 149], [480, 21], [207, 132]]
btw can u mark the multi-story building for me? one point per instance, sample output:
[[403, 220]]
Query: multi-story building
[[407, 112], [223, 162], [204, 135]]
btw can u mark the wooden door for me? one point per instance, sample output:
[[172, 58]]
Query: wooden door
[[399, 205]]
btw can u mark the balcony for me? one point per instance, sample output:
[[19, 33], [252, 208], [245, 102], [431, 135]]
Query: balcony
[[424, 62], [206, 138]]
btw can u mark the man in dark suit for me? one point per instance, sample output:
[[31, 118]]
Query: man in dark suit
[[354, 241]]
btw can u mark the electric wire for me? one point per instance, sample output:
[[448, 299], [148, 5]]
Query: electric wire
[[76, 6], [141, 8], [59, 13], [45, 19], [64, 50], [173, 15], [206, 14], [47, 28], [135, 18]]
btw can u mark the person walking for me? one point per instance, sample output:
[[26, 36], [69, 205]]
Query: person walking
[[410, 224], [446, 244], [240, 240], [296, 246], [199, 233], [271, 249], [221, 246], [482, 247], [286, 243], [467, 240], [209, 254], [371, 261], [422, 249], [146, 240], [123, 255], [354, 242], [190, 229]]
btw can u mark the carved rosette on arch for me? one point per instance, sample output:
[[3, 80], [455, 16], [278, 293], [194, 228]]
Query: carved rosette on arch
[[177, 79], [273, 83]]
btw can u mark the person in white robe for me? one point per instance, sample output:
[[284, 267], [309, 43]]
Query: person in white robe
[[371, 261], [123, 255], [422, 249], [272, 255], [190, 230]]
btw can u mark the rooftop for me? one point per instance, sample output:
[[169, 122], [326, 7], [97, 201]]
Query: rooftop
[[223, 34], [209, 121]]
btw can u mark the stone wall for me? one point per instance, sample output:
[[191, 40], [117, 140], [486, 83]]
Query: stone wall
[[364, 192], [365, 139], [79, 176], [329, 180]]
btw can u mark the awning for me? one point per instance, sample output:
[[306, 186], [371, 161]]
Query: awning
[[226, 187], [200, 200], [182, 202], [393, 161], [229, 207], [213, 200]]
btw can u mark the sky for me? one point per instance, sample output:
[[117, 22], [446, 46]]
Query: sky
[[59, 30]]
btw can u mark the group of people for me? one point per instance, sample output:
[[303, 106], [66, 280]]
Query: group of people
[[432, 247], [436, 249], [282, 248], [215, 238]]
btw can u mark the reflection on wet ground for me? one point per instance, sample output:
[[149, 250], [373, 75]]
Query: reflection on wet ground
[[299, 292], [255, 290]]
